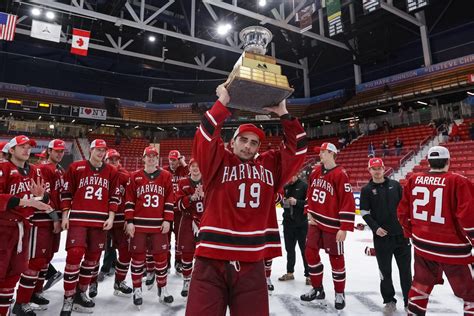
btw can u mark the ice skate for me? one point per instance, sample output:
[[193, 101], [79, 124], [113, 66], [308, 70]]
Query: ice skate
[[82, 303], [340, 301], [150, 280], [164, 296], [38, 302], [23, 310], [137, 297], [185, 290], [270, 286], [67, 306], [316, 293], [122, 289], [93, 289]]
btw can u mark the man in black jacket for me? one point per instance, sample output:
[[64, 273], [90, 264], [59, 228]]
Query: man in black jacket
[[378, 206], [295, 225]]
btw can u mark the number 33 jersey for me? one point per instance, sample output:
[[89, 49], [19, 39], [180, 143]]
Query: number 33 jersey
[[437, 212], [90, 193], [149, 200], [330, 199]]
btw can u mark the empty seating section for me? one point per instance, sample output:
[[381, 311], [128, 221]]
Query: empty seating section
[[138, 114], [355, 156], [131, 151], [462, 160], [464, 129], [184, 145]]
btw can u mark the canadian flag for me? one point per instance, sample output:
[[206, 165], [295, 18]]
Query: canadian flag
[[80, 42]]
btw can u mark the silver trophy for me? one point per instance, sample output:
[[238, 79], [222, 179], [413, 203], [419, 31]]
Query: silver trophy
[[256, 80], [256, 39]]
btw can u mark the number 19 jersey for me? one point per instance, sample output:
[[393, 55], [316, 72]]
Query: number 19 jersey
[[437, 212]]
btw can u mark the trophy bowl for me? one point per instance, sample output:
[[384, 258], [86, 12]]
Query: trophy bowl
[[255, 39], [256, 80]]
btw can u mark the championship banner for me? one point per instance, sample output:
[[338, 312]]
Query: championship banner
[[413, 5], [46, 31], [305, 17], [333, 8], [370, 5], [92, 113]]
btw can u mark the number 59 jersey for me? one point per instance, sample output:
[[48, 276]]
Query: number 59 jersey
[[149, 200], [330, 199], [90, 193], [437, 212]]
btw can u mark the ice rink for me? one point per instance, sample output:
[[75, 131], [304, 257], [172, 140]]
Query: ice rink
[[362, 289]]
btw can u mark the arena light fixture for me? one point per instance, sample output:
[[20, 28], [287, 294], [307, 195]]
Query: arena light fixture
[[470, 93], [326, 121], [51, 126], [262, 3], [421, 102], [73, 120], [223, 29], [349, 118], [35, 12], [152, 38], [380, 110], [50, 15]]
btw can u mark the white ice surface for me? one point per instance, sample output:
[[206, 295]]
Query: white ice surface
[[362, 288]]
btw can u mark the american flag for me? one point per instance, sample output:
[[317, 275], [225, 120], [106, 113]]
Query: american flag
[[7, 26]]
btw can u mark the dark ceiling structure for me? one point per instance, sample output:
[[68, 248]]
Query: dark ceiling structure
[[188, 58]]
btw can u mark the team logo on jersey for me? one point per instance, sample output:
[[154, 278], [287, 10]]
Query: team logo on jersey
[[43, 250], [374, 191], [163, 247], [73, 241], [138, 178], [81, 168], [14, 171], [134, 247], [101, 246]]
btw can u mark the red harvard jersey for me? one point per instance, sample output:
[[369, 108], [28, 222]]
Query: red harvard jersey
[[53, 176], [436, 211], [149, 200], [15, 181], [124, 178], [240, 194], [330, 199], [179, 174], [186, 188], [90, 193]]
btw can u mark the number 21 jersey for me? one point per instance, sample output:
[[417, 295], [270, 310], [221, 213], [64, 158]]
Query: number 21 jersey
[[437, 212]]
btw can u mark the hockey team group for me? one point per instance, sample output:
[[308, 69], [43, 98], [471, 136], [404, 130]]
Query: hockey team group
[[221, 208]]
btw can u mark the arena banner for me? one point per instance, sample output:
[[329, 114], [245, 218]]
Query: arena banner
[[449, 64], [35, 93], [318, 98], [42, 144], [370, 5], [305, 17], [333, 8], [92, 113], [414, 5]]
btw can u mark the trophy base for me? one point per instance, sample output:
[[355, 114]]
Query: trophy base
[[253, 96]]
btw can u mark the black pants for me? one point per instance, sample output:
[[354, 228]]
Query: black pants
[[293, 235], [385, 248], [110, 256]]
